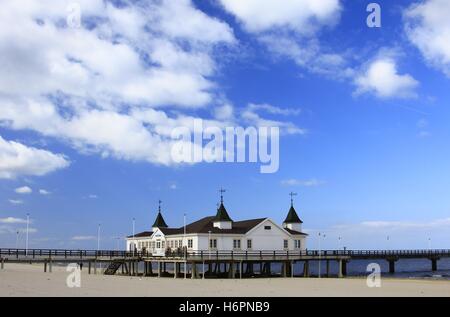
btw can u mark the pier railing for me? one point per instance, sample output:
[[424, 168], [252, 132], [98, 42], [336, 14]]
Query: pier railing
[[212, 254]]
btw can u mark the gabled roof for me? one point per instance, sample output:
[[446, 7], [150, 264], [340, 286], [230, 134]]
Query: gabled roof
[[292, 216], [159, 222], [205, 225], [142, 234], [222, 214]]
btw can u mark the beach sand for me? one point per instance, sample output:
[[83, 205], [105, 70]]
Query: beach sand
[[30, 280]]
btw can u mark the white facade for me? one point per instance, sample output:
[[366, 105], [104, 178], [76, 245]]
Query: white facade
[[265, 236]]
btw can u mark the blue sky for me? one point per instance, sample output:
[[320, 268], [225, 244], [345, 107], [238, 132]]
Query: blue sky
[[84, 115]]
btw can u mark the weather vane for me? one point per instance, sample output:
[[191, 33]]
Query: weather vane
[[221, 191], [292, 194]]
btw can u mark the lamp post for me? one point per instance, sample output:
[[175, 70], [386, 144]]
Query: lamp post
[[184, 246], [26, 240], [134, 242], [17, 239], [98, 236], [429, 244]]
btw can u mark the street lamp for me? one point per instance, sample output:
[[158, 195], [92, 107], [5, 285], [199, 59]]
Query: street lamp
[[17, 239], [98, 236], [134, 242], [26, 240], [184, 250], [320, 252], [429, 243]]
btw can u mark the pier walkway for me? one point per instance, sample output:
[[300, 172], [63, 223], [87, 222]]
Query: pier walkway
[[196, 264]]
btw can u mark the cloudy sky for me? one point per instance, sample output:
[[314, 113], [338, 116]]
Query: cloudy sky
[[86, 114]]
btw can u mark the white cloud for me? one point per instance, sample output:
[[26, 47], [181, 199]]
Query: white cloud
[[16, 201], [427, 26], [44, 192], [251, 116], [382, 79], [302, 16], [305, 183], [92, 196], [17, 159], [373, 234], [12, 220], [23, 190], [83, 238], [84, 86], [274, 110]]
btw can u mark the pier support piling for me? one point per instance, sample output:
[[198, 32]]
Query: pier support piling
[[392, 266], [434, 264], [3, 263], [328, 268], [306, 269]]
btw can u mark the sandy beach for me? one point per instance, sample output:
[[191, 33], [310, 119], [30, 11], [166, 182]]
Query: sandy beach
[[30, 280]]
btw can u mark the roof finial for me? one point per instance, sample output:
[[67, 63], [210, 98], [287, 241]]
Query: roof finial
[[221, 191], [292, 194], [159, 205]]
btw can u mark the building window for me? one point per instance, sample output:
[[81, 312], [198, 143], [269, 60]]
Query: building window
[[249, 244], [213, 243], [267, 227], [190, 243], [298, 244], [236, 244], [158, 244], [285, 244], [163, 244], [180, 243]]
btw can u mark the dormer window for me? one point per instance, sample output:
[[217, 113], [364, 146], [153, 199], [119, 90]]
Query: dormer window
[[267, 227]]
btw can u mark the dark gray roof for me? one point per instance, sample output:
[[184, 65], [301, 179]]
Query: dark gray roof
[[222, 214], [292, 216], [206, 224], [159, 222], [142, 234]]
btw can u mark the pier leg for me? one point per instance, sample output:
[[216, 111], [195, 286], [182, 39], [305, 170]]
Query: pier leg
[[203, 268], [159, 269], [89, 268], [434, 265], [344, 267], [340, 270], [391, 266], [45, 266], [193, 270], [175, 269], [240, 270], [306, 269], [95, 267], [284, 269], [260, 268], [164, 267], [328, 268], [50, 266], [292, 268], [3, 263]]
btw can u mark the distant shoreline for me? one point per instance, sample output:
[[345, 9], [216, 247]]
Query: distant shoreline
[[30, 280]]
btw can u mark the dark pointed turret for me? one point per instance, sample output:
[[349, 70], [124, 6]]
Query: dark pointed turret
[[222, 220], [222, 214], [159, 221], [292, 216], [292, 221]]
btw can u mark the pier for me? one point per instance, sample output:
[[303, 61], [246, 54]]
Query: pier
[[212, 264]]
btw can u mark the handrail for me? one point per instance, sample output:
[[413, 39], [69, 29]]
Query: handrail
[[244, 254]]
